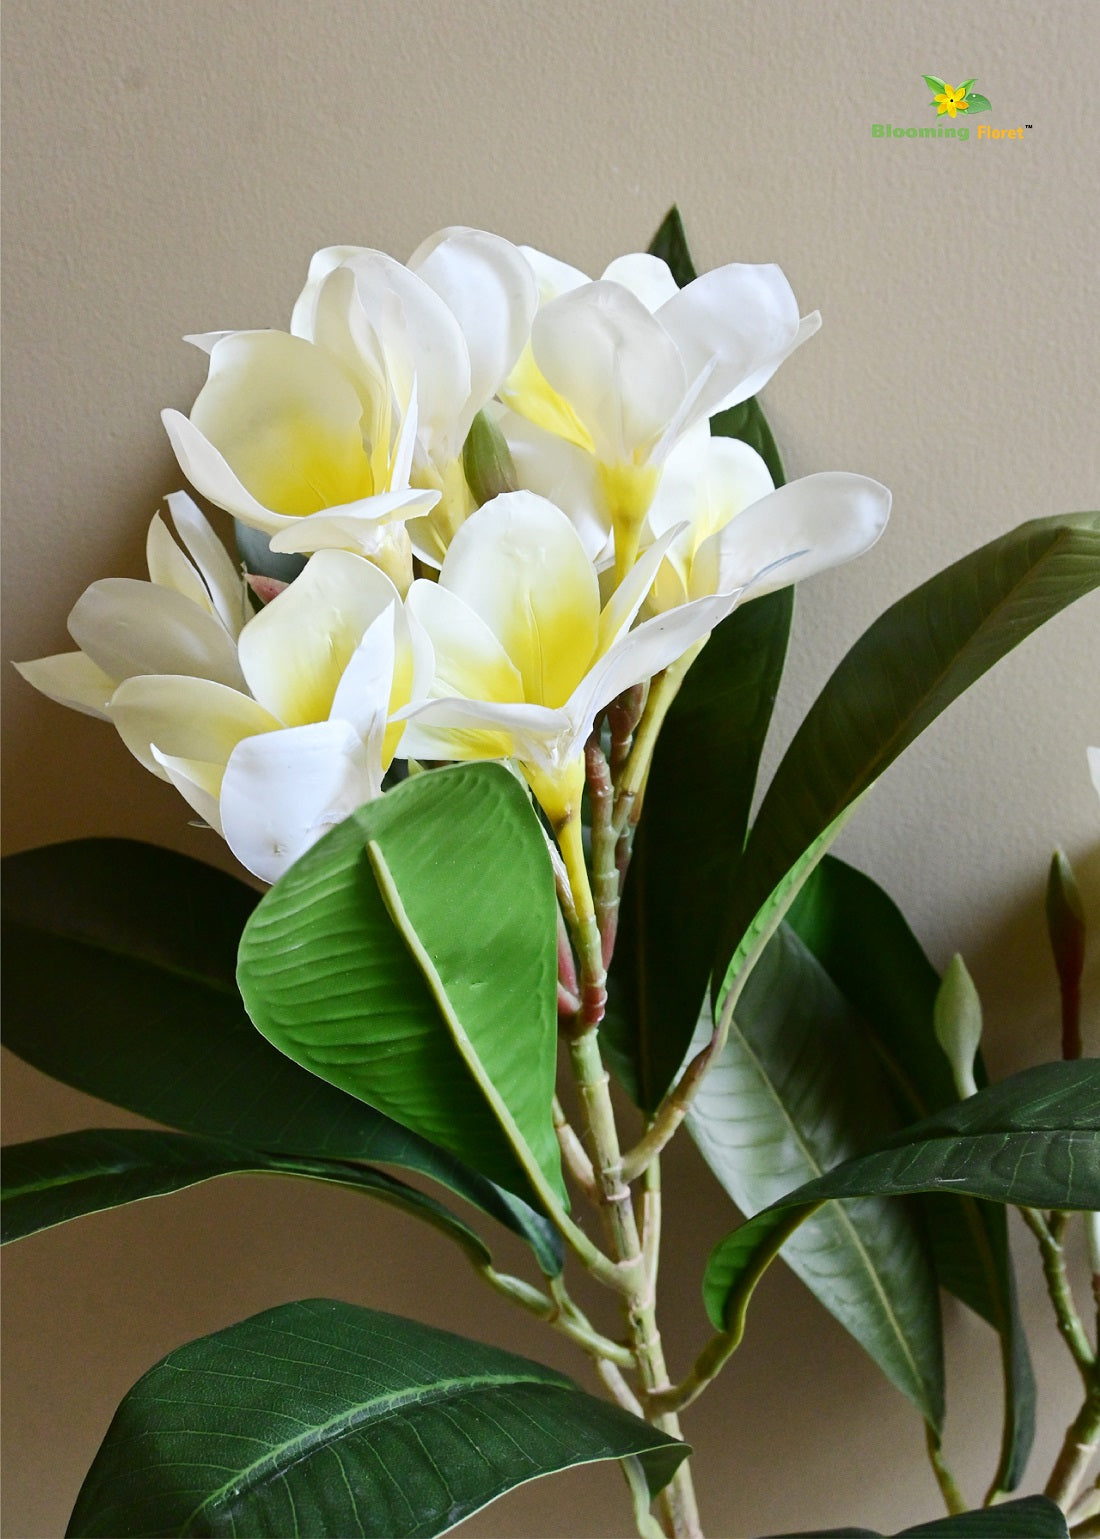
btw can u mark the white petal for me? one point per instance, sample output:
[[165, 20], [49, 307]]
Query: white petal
[[1094, 767], [362, 696], [739, 322], [354, 527], [185, 718], [563, 473], [197, 782], [288, 420], [707, 481], [205, 340], [806, 526], [422, 342], [519, 563], [469, 660], [552, 277], [129, 627], [477, 729], [304, 315], [614, 363], [808, 327], [170, 568], [208, 473], [295, 650], [72, 679], [222, 578], [490, 289], [283, 790], [647, 277], [621, 608]]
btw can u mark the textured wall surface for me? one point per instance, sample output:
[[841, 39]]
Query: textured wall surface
[[171, 165]]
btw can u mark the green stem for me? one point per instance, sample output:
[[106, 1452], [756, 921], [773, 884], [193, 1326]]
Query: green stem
[[953, 1498], [563, 1316], [1049, 1236], [1078, 1450], [662, 692]]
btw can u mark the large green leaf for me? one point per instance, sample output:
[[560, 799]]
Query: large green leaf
[[119, 962], [913, 662], [323, 1419], [410, 957], [687, 845], [1032, 1518], [52, 1180], [862, 940], [1033, 1140], [795, 1091]]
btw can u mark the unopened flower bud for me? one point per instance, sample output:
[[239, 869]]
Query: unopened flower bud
[[1066, 928], [487, 461], [957, 1020]]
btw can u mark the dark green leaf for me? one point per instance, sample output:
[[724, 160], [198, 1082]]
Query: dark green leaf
[[52, 1180], [862, 940], [670, 244], [687, 844], [1033, 1140], [119, 962], [1032, 1518], [909, 666], [434, 1001], [323, 1419], [797, 1090]]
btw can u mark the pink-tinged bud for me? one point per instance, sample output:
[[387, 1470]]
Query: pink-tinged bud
[[1066, 928], [265, 588]]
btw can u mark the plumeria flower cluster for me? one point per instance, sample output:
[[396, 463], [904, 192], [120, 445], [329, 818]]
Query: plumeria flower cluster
[[502, 475]]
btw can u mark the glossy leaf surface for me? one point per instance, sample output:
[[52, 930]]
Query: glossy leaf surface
[[420, 974], [323, 1419], [52, 1180], [1034, 1517], [1033, 1140], [917, 658], [797, 1090], [118, 979]]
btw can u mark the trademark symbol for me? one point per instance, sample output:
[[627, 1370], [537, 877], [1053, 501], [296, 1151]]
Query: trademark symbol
[[1027, 125]]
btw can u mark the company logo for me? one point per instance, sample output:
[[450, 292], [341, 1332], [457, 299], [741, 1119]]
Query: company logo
[[953, 106], [947, 99]]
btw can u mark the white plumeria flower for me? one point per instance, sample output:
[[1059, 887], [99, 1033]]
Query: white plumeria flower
[[1094, 767], [303, 440], [623, 369], [743, 534], [184, 620], [307, 738], [452, 323], [525, 656]]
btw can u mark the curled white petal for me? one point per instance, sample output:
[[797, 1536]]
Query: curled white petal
[[129, 627], [222, 579], [648, 278], [283, 790], [72, 679], [186, 718]]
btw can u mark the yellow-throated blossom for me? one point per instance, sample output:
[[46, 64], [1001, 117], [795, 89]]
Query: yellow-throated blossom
[[744, 535], [307, 740], [184, 620], [451, 325], [623, 369], [525, 656], [306, 439], [950, 100]]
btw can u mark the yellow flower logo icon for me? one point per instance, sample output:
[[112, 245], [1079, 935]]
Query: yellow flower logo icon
[[951, 100]]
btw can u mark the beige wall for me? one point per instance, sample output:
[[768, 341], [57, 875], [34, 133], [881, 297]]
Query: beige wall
[[171, 164]]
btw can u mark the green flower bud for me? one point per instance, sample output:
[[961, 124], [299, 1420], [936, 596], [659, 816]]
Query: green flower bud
[[957, 1020], [487, 461], [1066, 928]]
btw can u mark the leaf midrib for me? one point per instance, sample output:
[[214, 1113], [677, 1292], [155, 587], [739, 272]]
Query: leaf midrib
[[347, 1423], [840, 1210]]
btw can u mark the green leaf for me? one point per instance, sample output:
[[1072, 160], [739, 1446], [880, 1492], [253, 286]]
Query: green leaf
[[795, 1091], [1032, 1518], [917, 658], [52, 1180], [410, 957], [862, 940], [688, 844], [323, 1419], [967, 84], [934, 83], [118, 979], [1031, 1140], [977, 103], [670, 244]]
